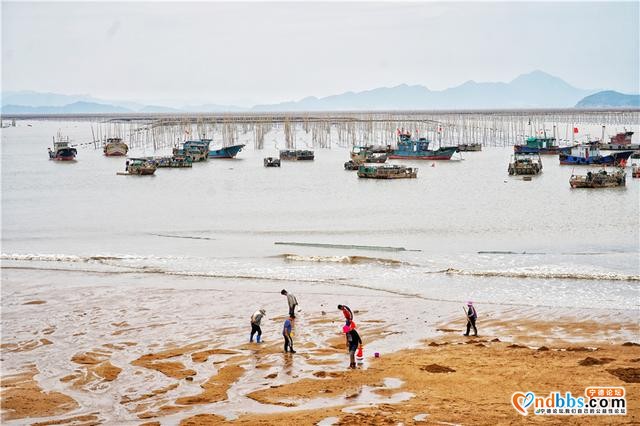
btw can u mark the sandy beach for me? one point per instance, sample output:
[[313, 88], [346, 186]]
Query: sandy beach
[[179, 356]]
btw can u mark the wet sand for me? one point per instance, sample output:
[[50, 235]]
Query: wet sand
[[179, 356]]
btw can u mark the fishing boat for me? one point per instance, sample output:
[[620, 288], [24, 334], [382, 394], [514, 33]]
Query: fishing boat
[[362, 154], [351, 165], [226, 152], [271, 162], [538, 145], [620, 142], [411, 149], [600, 179], [387, 171], [589, 153], [114, 147], [525, 164], [139, 167], [195, 150], [171, 162], [473, 147], [61, 150], [297, 155]]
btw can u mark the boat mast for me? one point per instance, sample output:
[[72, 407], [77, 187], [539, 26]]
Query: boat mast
[[602, 137]]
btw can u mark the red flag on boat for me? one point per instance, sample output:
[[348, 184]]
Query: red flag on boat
[[575, 130]]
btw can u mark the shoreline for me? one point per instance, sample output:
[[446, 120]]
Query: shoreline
[[169, 353]]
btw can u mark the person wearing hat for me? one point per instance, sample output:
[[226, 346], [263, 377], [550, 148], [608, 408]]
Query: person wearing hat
[[472, 315], [292, 301], [348, 314], [255, 324]]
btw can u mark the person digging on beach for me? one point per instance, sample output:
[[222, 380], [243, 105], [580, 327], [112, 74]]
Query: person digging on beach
[[472, 315], [292, 301], [255, 324], [353, 342], [348, 314], [288, 338]]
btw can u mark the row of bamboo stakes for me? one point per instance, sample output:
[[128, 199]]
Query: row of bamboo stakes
[[322, 130]]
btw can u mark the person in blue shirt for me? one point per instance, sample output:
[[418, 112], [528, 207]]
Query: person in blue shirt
[[288, 338]]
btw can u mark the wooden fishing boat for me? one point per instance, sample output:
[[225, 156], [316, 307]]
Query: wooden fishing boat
[[525, 164], [410, 149], [140, 167], [387, 171], [600, 179], [473, 147], [351, 165], [297, 155], [226, 152], [114, 147], [62, 151], [362, 154], [271, 162], [589, 154], [538, 145]]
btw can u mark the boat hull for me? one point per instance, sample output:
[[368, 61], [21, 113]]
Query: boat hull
[[612, 159], [387, 172], [68, 154], [299, 155], [440, 154], [619, 147], [598, 180], [523, 149], [227, 152], [473, 147]]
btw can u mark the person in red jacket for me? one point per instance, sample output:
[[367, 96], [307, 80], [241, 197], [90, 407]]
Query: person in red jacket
[[348, 314]]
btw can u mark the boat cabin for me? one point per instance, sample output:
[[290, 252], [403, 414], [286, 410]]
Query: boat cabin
[[406, 144], [540, 142]]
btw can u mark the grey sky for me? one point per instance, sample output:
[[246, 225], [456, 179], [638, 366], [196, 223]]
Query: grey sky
[[247, 53]]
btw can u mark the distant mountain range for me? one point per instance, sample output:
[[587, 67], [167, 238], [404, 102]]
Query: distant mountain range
[[609, 98], [533, 90]]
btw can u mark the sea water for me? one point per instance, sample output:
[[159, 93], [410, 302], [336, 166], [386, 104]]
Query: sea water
[[469, 230]]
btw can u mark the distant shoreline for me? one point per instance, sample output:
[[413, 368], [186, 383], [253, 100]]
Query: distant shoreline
[[306, 116]]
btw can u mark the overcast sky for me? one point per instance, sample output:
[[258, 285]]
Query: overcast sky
[[246, 53]]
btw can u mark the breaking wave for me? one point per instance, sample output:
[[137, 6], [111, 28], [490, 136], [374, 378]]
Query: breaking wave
[[544, 274], [352, 260]]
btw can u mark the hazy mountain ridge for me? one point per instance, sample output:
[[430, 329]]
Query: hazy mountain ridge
[[536, 89], [609, 98]]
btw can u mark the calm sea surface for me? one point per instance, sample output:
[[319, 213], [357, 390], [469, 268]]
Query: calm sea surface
[[470, 231]]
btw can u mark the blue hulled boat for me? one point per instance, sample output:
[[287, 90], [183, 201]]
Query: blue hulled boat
[[226, 152], [589, 153], [411, 149]]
